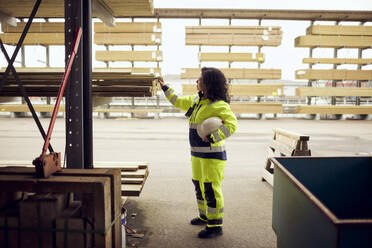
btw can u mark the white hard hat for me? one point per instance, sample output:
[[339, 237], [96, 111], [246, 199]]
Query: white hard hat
[[208, 126]]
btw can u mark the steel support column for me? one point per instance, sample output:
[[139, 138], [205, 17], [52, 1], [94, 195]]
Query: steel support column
[[87, 84], [74, 88]]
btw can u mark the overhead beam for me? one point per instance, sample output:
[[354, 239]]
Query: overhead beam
[[4, 18], [103, 12], [265, 14]]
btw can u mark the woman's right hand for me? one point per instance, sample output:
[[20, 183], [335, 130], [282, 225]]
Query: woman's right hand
[[160, 81]]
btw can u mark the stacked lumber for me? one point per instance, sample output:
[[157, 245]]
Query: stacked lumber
[[40, 33], [133, 34], [133, 174], [243, 89], [236, 73], [53, 9], [338, 36], [106, 82], [233, 35]]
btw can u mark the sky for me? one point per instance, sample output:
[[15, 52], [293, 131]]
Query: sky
[[176, 55]]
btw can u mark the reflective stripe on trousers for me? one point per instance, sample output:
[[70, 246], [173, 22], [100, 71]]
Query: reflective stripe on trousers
[[207, 176]]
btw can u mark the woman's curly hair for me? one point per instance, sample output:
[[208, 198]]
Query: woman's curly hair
[[215, 84]]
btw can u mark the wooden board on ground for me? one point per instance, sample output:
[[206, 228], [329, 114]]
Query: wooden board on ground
[[337, 109], [236, 73], [322, 74], [284, 143], [333, 91]]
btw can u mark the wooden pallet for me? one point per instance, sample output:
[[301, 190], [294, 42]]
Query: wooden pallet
[[284, 143]]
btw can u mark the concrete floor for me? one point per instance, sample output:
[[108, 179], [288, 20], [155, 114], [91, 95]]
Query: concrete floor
[[167, 202]]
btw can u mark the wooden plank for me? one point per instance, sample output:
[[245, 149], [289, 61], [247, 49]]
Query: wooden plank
[[36, 27], [155, 56], [241, 108], [319, 74], [333, 41], [291, 135], [337, 61], [318, 109], [99, 188], [24, 108], [128, 110], [339, 30], [333, 91], [127, 38], [233, 40], [128, 27], [243, 89], [236, 73], [131, 189], [262, 30], [140, 173], [34, 38], [232, 57]]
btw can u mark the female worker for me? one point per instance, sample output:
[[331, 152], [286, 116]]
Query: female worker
[[208, 154]]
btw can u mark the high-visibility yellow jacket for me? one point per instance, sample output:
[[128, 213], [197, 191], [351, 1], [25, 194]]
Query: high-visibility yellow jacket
[[198, 109]]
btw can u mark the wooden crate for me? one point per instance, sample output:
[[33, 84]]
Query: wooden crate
[[99, 188], [113, 174]]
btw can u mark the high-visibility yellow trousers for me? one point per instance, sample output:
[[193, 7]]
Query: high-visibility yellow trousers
[[207, 176]]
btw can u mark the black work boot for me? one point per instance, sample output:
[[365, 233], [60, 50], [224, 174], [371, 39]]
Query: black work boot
[[210, 232], [198, 222]]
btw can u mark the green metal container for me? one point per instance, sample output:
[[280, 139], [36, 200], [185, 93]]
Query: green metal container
[[323, 202]]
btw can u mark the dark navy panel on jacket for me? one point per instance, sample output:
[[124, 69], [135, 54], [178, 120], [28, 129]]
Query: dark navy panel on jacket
[[215, 155], [195, 140]]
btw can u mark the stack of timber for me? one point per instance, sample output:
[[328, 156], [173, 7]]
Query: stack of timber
[[238, 36], [53, 9], [233, 35], [339, 36], [133, 174], [42, 212], [130, 34], [106, 82]]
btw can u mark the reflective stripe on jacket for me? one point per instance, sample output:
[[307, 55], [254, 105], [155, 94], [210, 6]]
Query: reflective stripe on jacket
[[204, 109]]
